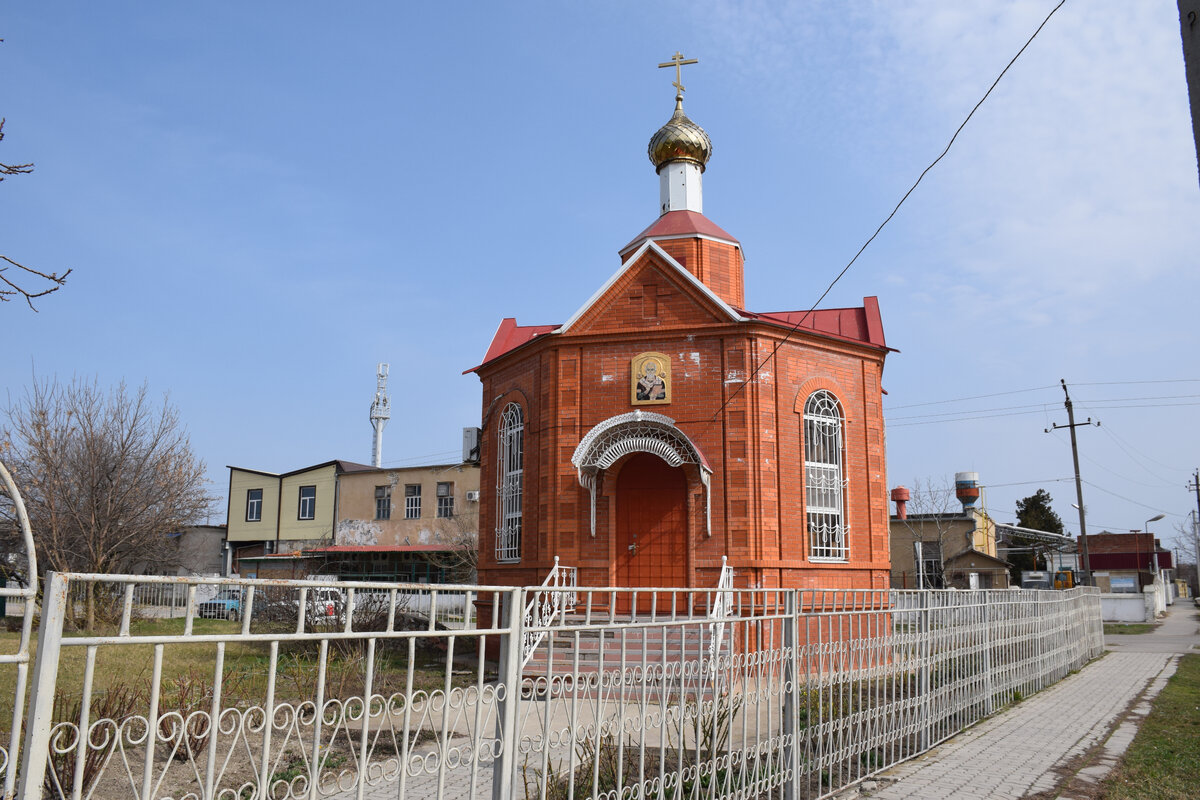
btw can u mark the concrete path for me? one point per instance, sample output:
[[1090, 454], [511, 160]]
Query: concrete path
[[1060, 742]]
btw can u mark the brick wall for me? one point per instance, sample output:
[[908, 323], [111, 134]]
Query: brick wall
[[748, 426]]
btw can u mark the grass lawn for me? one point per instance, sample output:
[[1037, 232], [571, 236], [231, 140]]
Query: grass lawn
[[1163, 763], [1123, 628]]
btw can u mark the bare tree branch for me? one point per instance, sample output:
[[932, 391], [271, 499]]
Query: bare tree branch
[[18, 289], [106, 476], [29, 295], [11, 169]]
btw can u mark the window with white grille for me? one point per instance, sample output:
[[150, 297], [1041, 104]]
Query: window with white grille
[[824, 486], [308, 503], [412, 501], [445, 496], [254, 505], [510, 467]]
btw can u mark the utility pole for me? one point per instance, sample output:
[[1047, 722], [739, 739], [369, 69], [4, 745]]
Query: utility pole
[[1072, 424], [1195, 486]]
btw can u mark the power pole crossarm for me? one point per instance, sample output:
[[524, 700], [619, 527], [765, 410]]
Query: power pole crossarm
[[1072, 424]]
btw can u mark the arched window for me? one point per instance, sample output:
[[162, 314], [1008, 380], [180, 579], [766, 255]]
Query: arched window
[[823, 481], [510, 468]]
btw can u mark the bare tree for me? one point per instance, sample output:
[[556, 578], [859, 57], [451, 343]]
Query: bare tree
[[1183, 547], [106, 476], [11, 287], [460, 559], [933, 515]]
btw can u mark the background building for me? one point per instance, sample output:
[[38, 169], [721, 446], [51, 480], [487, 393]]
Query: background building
[[949, 548], [411, 524], [1126, 562]]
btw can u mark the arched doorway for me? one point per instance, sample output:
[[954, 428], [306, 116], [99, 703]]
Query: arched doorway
[[651, 523]]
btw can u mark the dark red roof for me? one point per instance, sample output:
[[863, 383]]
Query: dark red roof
[[853, 324], [857, 324], [352, 466], [510, 336], [680, 223], [380, 548]]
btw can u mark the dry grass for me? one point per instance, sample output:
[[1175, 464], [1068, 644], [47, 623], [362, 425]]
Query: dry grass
[[189, 668]]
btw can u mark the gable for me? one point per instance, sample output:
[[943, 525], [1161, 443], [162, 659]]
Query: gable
[[651, 291]]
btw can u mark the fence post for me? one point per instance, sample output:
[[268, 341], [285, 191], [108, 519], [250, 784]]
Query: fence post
[[45, 676], [923, 677], [512, 619], [988, 688], [791, 679]]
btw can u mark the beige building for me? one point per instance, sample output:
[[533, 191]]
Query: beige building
[[354, 520], [948, 549]]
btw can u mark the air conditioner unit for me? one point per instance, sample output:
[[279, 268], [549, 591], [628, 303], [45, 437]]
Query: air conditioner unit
[[470, 449], [473, 497]]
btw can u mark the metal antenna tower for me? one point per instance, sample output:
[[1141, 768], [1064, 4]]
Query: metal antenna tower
[[381, 412]]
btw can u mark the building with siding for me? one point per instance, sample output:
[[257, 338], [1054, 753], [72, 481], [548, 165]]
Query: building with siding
[[355, 521]]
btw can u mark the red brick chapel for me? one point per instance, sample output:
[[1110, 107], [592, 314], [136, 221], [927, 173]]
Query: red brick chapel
[[663, 425]]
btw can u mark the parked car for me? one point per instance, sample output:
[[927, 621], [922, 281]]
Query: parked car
[[324, 607], [226, 605]]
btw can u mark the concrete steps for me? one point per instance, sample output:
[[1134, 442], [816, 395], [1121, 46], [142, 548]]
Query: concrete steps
[[632, 658]]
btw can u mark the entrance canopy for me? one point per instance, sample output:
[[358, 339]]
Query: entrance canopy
[[637, 432]]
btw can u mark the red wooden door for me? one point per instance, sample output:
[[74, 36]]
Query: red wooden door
[[651, 524]]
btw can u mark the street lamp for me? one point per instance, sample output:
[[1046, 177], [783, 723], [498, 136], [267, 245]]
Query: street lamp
[[1153, 548]]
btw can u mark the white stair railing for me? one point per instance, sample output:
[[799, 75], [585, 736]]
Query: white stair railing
[[722, 604], [545, 607]]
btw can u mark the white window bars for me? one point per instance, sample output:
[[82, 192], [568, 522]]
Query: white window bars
[[510, 468], [824, 485]]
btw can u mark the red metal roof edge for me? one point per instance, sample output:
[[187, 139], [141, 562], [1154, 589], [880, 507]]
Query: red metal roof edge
[[870, 321], [680, 223], [380, 548], [509, 337]]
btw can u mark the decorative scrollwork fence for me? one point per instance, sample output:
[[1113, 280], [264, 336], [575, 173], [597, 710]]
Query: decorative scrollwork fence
[[651, 693], [807, 693]]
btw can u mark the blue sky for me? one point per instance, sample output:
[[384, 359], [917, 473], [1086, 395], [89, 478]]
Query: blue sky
[[262, 201]]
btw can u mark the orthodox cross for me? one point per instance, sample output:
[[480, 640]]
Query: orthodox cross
[[678, 61]]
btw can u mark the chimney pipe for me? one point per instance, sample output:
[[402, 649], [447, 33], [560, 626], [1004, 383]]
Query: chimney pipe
[[900, 498]]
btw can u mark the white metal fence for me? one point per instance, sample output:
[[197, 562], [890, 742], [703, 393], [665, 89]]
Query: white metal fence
[[647, 693]]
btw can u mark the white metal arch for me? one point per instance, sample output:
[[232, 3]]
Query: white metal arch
[[637, 432]]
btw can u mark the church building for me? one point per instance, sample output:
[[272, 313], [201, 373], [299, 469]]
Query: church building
[[663, 426]]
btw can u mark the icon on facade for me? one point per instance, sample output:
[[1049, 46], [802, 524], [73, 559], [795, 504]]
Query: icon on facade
[[651, 379]]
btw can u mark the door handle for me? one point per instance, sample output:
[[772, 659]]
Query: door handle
[[633, 548]]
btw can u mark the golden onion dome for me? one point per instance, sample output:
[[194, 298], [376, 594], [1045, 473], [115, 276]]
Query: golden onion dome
[[680, 140]]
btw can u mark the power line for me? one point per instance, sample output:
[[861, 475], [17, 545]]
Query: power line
[[888, 219], [1118, 442], [1043, 388], [966, 416], [963, 419], [973, 411], [1130, 500], [973, 397]]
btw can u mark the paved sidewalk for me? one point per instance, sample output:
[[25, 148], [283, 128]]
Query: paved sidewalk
[[1036, 748]]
